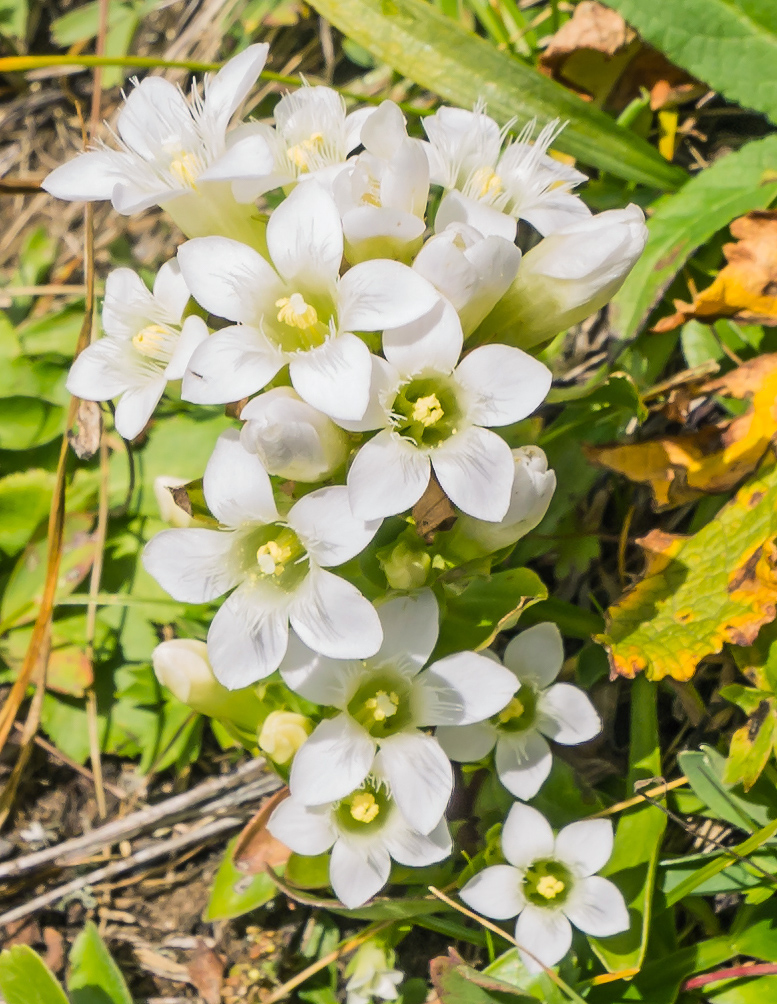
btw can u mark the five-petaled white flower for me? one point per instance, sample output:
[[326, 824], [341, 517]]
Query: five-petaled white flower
[[372, 975], [277, 564], [384, 702], [298, 312], [548, 883], [432, 414], [365, 830], [491, 189], [541, 708], [172, 153], [146, 344]]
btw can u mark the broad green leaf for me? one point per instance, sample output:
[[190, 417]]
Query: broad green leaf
[[27, 421], [729, 44], [234, 893], [736, 878], [94, 976], [699, 592], [54, 333], [25, 498], [438, 53], [704, 770], [731, 187], [632, 866], [755, 990], [25, 978], [458, 983]]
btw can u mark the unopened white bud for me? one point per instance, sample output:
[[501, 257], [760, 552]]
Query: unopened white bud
[[282, 734], [292, 439], [168, 508], [372, 975]]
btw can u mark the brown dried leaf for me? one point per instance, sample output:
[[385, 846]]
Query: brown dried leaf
[[433, 512], [256, 847], [206, 973], [84, 437]]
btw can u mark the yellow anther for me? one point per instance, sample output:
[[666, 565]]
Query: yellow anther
[[185, 168], [302, 153], [513, 710], [294, 311], [153, 341], [271, 558], [364, 807], [382, 705], [486, 184], [550, 887], [427, 410]]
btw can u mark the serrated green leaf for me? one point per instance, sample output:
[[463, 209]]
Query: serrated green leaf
[[94, 976], [438, 53], [25, 978], [735, 53], [732, 186]]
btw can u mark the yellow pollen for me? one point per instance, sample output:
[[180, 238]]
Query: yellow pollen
[[427, 410], [185, 169], [151, 341], [513, 710], [382, 705], [302, 153], [364, 808], [294, 311], [486, 183], [271, 558], [550, 887]]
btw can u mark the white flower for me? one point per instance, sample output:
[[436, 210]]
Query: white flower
[[277, 564], [171, 151], [382, 193], [292, 439], [384, 702], [568, 276], [489, 189], [541, 708], [432, 414], [311, 140], [365, 830], [548, 883], [146, 345], [533, 488], [372, 974], [298, 312], [470, 270]]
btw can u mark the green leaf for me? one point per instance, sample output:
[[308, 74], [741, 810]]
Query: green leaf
[[26, 422], [94, 976], [25, 498], [732, 186], [235, 893], [735, 53], [460, 984], [704, 769], [436, 52], [25, 978]]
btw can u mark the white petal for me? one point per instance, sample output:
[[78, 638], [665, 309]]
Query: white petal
[[128, 304], [245, 159], [325, 524], [332, 762], [536, 655], [413, 849], [496, 262], [248, 636], [566, 715], [170, 289], [458, 208], [316, 678], [305, 236], [228, 278], [411, 625], [305, 829], [384, 384], [382, 294], [136, 407], [433, 341], [475, 469], [193, 333], [467, 743], [332, 617], [504, 384], [555, 212], [155, 115], [388, 476], [420, 777], [585, 846], [526, 836], [353, 126], [545, 933], [597, 907], [358, 872], [495, 892], [335, 377], [88, 177], [131, 198], [225, 92], [523, 762], [464, 688], [193, 565], [236, 486], [102, 371], [233, 363]]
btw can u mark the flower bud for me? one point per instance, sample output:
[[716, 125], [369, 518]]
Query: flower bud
[[405, 567], [169, 510], [291, 438], [372, 974], [568, 276], [182, 665], [282, 734], [533, 487]]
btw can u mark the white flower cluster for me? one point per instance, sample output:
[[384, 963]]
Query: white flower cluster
[[379, 349]]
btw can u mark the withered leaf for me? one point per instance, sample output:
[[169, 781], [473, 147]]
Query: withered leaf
[[84, 437], [206, 973], [256, 846], [433, 512]]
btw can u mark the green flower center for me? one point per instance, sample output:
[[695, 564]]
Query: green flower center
[[301, 322], [276, 553], [547, 883], [426, 411], [381, 705], [520, 714], [364, 810]]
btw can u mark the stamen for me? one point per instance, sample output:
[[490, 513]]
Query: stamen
[[513, 710], [271, 558], [364, 807], [294, 311], [301, 154], [155, 342], [550, 887], [382, 705], [427, 410], [486, 183], [185, 168]]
